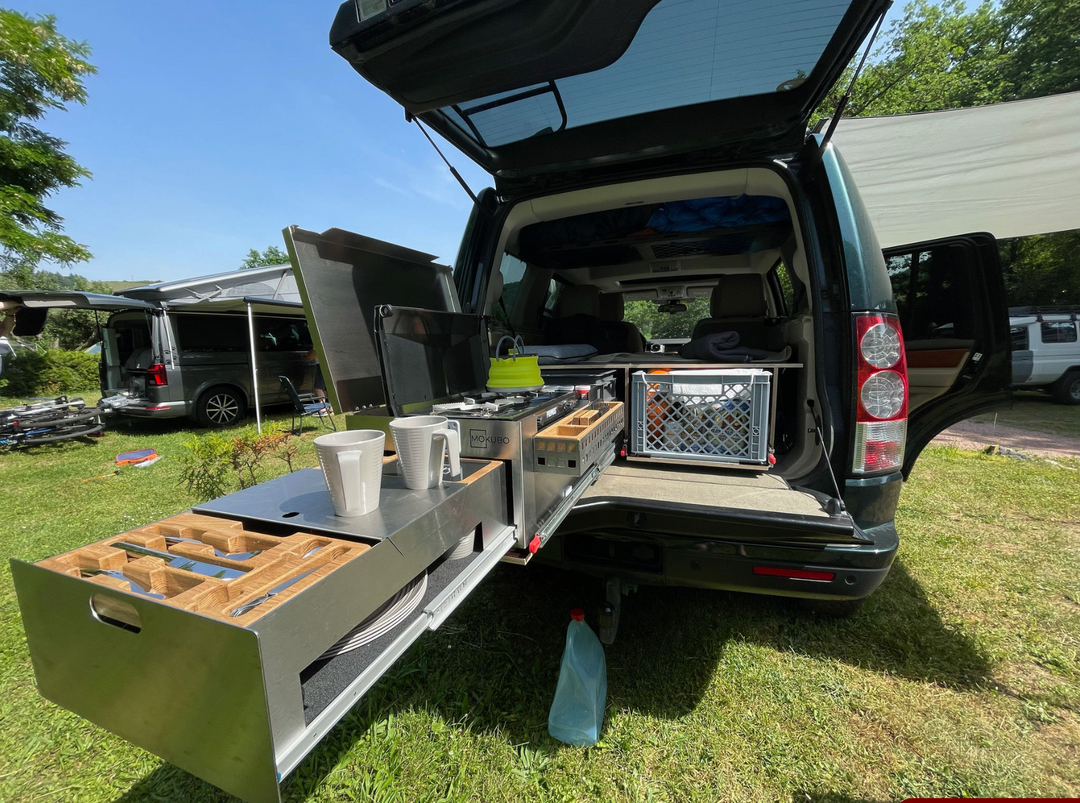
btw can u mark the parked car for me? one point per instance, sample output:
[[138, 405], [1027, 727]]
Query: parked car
[[631, 162], [1046, 351], [183, 348]]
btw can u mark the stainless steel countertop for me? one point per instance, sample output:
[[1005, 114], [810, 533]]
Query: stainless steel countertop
[[301, 500]]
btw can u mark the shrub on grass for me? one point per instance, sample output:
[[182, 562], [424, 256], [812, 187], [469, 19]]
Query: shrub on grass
[[216, 464], [48, 372]]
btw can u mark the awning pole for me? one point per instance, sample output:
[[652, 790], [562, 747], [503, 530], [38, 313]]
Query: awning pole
[[254, 370]]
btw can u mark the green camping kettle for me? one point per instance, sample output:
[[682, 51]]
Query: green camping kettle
[[516, 372]]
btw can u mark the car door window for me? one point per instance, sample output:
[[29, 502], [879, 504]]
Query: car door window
[[926, 284], [211, 333], [1058, 332], [282, 334], [512, 270], [1019, 338]]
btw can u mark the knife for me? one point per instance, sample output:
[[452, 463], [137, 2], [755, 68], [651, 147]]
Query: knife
[[185, 563], [259, 600], [135, 587]]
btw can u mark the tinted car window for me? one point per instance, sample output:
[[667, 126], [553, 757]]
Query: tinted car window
[[215, 333], [926, 284], [685, 52], [1058, 332], [1019, 338], [282, 334], [512, 270]]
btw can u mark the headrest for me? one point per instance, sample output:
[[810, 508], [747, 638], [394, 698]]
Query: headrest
[[496, 290], [738, 295], [612, 307], [579, 299]]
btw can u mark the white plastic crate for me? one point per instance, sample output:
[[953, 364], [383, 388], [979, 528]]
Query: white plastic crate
[[718, 416]]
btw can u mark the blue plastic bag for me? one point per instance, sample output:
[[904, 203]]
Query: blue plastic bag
[[577, 713]]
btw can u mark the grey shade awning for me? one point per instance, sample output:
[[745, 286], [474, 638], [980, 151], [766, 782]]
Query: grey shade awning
[[272, 282], [1012, 169], [259, 306]]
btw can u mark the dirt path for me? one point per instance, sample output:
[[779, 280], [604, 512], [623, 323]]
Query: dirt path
[[972, 435]]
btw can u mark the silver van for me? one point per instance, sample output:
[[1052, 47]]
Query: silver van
[[185, 348]]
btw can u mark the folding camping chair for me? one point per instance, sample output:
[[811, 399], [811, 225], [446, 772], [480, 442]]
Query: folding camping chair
[[304, 405]]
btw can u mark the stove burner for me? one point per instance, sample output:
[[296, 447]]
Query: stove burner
[[481, 406], [491, 405]]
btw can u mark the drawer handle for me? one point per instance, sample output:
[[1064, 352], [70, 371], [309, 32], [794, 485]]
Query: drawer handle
[[115, 612]]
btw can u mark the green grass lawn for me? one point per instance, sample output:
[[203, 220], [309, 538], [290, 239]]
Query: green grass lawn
[[1038, 412], [960, 677]]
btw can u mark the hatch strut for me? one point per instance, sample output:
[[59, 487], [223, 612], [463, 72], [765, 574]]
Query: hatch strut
[[843, 102], [453, 171], [839, 507]]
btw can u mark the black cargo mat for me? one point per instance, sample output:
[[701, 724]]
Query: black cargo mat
[[322, 681]]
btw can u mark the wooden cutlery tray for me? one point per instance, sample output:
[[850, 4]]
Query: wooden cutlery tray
[[574, 443], [280, 558]]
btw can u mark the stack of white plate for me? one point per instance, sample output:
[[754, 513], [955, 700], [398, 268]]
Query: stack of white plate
[[463, 549], [392, 613]]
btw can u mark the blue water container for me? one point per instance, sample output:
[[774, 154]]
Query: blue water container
[[577, 713]]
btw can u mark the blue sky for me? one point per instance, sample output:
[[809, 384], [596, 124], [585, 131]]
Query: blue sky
[[211, 126]]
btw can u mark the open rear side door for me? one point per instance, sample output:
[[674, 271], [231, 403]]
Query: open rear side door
[[343, 278], [950, 295]]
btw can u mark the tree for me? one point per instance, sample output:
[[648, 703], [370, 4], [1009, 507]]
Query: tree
[[271, 256], [945, 57], [40, 70], [1042, 269]]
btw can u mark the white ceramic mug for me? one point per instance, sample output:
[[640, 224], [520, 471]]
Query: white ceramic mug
[[423, 441], [351, 461]]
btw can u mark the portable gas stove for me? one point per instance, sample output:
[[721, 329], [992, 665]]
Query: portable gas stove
[[503, 406], [495, 427], [437, 362]]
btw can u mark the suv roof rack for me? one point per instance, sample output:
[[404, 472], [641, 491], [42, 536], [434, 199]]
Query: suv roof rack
[[1072, 310]]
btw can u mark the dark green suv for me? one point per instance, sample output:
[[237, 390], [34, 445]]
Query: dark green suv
[[653, 158]]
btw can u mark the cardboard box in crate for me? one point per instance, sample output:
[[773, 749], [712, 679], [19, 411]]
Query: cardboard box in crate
[[712, 416]]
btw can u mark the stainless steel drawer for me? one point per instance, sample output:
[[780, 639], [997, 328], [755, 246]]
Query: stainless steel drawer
[[241, 705]]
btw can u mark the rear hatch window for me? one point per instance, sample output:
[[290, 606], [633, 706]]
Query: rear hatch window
[[686, 52], [527, 86]]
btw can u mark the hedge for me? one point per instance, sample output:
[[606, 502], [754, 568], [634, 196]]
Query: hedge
[[48, 372]]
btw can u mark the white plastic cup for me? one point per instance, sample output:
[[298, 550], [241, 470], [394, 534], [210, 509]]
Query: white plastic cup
[[351, 461], [423, 442]]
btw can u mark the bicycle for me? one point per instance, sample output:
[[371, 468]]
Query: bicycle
[[48, 421]]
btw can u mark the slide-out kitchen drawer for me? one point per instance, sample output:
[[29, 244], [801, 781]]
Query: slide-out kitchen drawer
[[240, 700]]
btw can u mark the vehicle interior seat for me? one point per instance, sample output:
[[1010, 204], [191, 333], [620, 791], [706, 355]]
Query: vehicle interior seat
[[580, 322], [738, 305], [139, 359], [612, 310], [579, 317]]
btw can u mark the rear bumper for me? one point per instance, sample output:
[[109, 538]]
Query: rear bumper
[[732, 550], [149, 409]]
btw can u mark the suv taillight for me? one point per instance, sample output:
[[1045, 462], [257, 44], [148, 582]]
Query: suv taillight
[[881, 395], [155, 375]]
